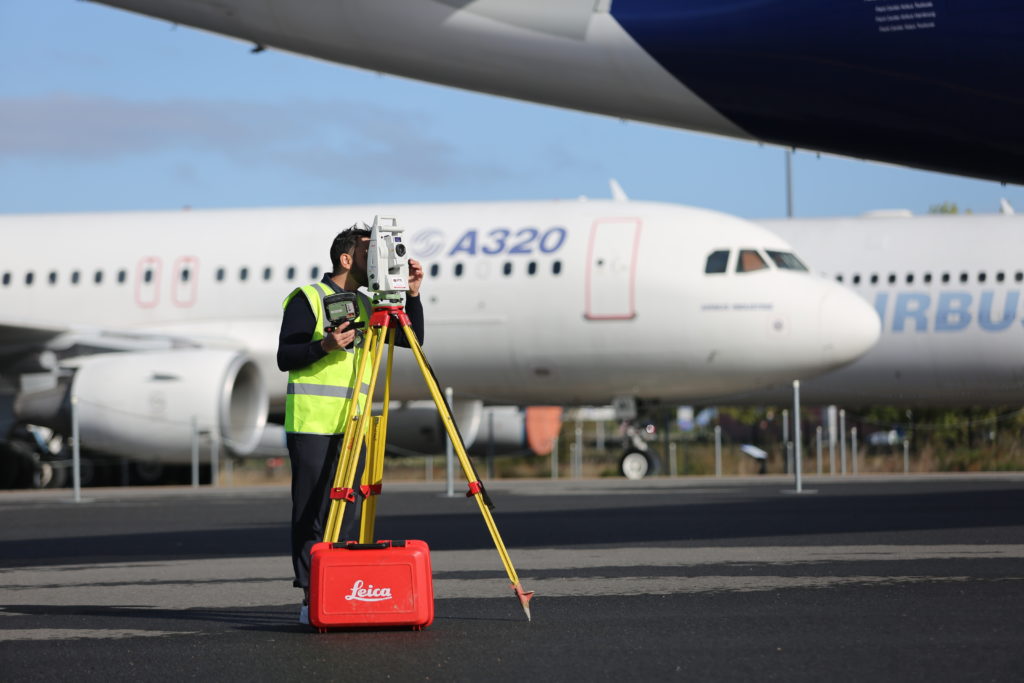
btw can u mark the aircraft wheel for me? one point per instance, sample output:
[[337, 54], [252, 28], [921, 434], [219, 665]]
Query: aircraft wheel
[[54, 476], [636, 465]]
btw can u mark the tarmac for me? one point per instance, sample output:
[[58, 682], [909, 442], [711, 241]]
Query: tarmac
[[871, 577]]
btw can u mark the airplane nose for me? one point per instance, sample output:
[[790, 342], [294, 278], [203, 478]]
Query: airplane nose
[[850, 327]]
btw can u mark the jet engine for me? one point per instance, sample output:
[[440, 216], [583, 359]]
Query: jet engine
[[415, 428], [142, 405]]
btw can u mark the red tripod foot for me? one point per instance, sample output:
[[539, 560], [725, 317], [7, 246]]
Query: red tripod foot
[[524, 599]]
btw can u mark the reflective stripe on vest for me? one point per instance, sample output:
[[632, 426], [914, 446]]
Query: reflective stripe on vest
[[323, 390], [319, 394]]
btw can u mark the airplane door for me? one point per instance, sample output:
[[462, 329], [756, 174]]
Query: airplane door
[[611, 269]]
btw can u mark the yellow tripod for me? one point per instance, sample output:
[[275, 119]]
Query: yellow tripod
[[389, 318]]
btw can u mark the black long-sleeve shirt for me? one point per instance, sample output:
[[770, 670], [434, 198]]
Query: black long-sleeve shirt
[[295, 346]]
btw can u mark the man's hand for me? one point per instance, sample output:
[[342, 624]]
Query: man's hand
[[415, 277], [340, 337]]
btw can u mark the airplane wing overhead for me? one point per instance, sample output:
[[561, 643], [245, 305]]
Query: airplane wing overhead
[[928, 83]]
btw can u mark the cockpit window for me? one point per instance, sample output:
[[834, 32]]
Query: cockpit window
[[717, 262], [749, 261], [786, 260]]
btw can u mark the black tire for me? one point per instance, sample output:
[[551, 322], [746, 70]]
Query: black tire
[[636, 465], [19, 466], [55, 475]]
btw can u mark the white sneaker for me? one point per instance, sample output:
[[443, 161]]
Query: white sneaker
[[304, 615]]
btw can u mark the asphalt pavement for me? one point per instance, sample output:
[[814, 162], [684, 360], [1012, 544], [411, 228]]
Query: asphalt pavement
[[869, 578]]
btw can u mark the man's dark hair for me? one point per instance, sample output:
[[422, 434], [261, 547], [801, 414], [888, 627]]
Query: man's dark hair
[[345, 242]]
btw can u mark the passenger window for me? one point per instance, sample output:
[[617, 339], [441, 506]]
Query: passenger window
[[290, 273], [122, 275], [1000, 276], [97, 277], [53, 277], [507, 268], [839, 278], [556, 268], [717, 262], [856, 279], [313, 272], [75, 276], [220, 274], [749, 261], [927, 277], [874, 278], [892, 278], [267, 272], [531, 267], [29, 277], [1018, 276], [243, 274], [910, 278], [434, 269], [458, 270], [7, 279], [945, 278], [786, 260], [963, 277], [982, 277]]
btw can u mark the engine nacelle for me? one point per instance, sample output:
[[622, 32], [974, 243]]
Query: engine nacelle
[[415, 428], [141, 405]]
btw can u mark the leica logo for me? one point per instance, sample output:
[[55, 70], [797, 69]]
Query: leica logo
[[369, 593]]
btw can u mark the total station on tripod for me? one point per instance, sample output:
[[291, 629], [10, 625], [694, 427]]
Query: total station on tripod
[[387, 268]]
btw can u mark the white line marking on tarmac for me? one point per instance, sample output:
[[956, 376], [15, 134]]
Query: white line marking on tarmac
[[219, 583], [83, 633]]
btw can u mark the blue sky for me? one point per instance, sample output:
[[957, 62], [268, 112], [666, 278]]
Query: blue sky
[[104, 110]]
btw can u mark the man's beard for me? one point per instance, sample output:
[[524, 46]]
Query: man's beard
[[360, 276]]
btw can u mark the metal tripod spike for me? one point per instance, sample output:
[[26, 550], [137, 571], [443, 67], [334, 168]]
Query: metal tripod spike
[[384, 318]]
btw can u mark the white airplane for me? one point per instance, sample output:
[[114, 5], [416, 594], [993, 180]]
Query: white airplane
[[154, 319], [928, 84], [948, 290]]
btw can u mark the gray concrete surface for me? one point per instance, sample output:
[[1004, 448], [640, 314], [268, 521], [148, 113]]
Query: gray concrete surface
[[885, 578]]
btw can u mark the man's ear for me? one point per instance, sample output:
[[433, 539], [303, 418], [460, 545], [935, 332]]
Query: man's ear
[[345, 261]]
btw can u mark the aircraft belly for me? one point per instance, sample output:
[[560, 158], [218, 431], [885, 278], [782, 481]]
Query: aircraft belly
[[885, 81]]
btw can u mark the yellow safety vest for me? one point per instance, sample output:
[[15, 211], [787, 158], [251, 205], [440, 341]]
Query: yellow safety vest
[[319, 394]]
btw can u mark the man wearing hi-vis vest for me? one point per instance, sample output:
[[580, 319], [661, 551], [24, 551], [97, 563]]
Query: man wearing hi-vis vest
[[321, 367]]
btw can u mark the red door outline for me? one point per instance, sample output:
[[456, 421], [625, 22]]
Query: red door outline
[[147, 295], [629, 309]]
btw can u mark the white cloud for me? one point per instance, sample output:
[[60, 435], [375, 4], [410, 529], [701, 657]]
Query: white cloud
[[358, 143]]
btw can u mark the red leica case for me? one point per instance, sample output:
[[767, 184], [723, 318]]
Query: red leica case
[[387, 583]]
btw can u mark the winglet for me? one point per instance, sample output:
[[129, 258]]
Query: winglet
[[1005, 207]]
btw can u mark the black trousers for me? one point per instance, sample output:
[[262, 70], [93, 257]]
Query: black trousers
[[314, 459]]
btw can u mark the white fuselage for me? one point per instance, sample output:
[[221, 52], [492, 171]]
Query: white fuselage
[[527, 302], [948, 290]]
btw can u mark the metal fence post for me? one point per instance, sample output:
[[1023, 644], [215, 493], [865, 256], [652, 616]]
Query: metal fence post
[[796, 437], [718, 450], [449, 452], [817, 439], [842, 440], [195, 452], [76, 450]]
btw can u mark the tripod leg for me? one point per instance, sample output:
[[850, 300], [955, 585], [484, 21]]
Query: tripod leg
[[373, 472], [476, 489], [342, 492]]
